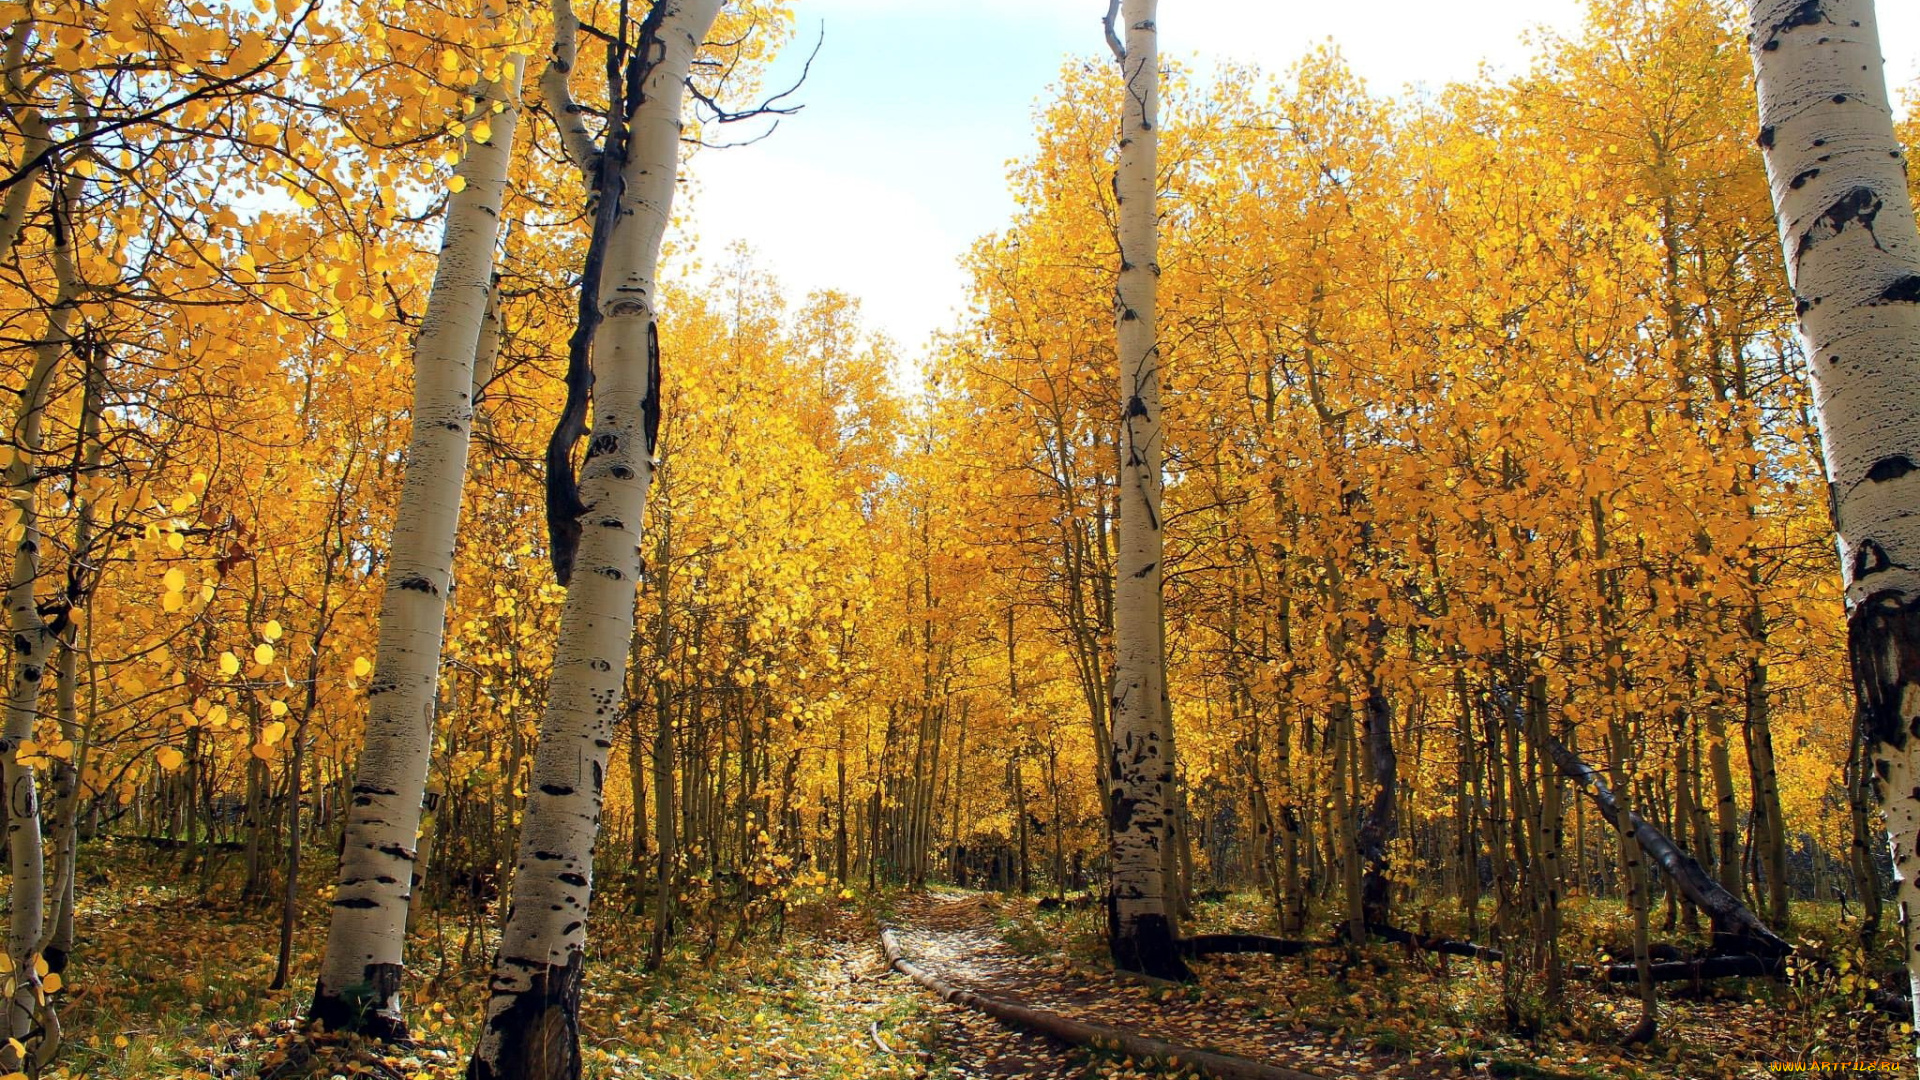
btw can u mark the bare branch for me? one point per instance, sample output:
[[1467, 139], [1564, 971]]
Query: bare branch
[[762, 137], [769, 107], [1111, 20]]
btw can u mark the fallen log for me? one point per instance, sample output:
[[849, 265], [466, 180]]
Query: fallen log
[[1446, 946], [1201, 946], [1093, 1036], [1696, 969], [1746, 966]]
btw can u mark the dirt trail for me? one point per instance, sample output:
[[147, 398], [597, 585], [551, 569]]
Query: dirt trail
[[955, 937]]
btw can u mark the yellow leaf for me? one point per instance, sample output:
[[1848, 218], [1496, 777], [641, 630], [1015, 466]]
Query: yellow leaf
[[457, 185], [170, 759], [263, 751], [361, 666], [263, 654], [272, 630], [172, 602], [229, 664], [277, 707], [52, 983], [176, 580], [121, 1042], [273, 733]]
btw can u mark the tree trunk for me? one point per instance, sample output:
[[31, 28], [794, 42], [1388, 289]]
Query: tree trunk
[[1140, 921], [1633, 874], [1769, 820], [1860, 860], [1381, 820], [532, 1027], [361, 972], [34, 636], [1853, 262]]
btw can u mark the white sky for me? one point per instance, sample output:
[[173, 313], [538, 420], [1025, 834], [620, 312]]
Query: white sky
[[915, 109]]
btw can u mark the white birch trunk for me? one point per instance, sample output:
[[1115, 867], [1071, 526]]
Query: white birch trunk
[[33, 639], [532, 1024], [1140, 926], [360, 975], [1853, 258], [34, 137]]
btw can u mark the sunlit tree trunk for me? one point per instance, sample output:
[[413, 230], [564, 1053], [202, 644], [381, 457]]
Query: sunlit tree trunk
[[532, 1021], [1141, 931], [359, 986], [35, 139], [1853, 259], [33, 633]]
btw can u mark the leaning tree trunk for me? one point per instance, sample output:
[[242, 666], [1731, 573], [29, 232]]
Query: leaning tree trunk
[[532, 1025], [1735, 926], [1140, 927], [34, 636], [1853, 260], [359, 986]]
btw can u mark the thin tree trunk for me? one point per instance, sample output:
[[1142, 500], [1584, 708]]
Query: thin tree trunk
[[82, 575], [1769, 819], [290, 891], [33, 635]]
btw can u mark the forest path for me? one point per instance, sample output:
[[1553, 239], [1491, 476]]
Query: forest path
[[955, 938], [954, 935]]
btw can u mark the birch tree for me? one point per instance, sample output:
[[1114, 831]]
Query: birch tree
[[1853, 260], [360, 975], [1140, 928], [532, 1019], [35, 633]]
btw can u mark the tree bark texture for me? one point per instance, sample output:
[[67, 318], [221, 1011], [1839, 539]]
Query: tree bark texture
[[33, 634], [532, 1018], [360, 975], [1853, 260], [1141, 930]]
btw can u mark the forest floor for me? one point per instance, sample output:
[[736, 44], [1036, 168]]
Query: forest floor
[[170, 976], [1397, 1014]]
